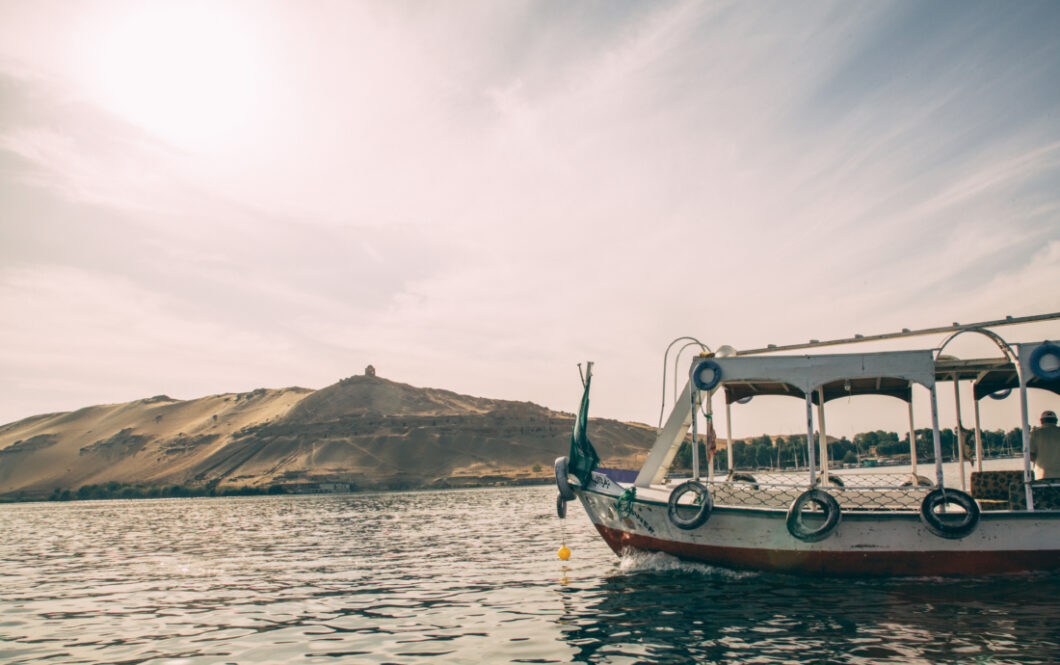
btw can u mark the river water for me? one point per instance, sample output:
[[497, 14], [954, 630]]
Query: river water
[[468, 576]]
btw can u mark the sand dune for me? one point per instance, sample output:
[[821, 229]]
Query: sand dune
[[363, 432]]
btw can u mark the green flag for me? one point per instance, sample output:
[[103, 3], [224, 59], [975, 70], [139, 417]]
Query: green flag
[[583, 457]]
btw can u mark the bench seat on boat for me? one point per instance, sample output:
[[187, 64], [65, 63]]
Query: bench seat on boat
[[1046, 495], [993, 488]]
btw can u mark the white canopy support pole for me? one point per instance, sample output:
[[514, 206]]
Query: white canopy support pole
[[728, 433], [912, 436], [824, 437], [809, 437], [960, 430], [710, 464], [1028, 475], [667, 443], [710, 424], [936, 438], [978, 438], [695, 435]]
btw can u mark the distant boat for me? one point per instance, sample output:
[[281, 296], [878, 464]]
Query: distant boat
[[822, 522]]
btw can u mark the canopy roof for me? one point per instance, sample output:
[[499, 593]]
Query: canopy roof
[[899, 388], [837, 375], [889, 373]]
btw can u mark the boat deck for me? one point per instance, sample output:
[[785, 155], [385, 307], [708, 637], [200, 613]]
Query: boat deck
[[854, 492]]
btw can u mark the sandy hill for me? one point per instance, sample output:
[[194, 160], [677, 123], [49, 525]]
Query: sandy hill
[[363, 432]]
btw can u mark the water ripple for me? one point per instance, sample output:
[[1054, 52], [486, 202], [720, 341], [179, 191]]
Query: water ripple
[[456, 576]]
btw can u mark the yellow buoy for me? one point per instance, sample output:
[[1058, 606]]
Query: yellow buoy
[[564, 553]]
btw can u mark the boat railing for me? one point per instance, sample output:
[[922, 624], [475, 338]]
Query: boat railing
[[891, 492], [875, 480]]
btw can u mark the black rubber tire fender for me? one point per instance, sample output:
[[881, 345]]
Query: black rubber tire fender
[[1047, 349], [835, 480], [945, 528], [706, 505], [710, 384], [798, 529], [741, 477], [565, 490], [918, 481]]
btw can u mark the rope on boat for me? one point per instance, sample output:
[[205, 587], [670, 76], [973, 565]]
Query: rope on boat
[[561, 510], [624, 505]]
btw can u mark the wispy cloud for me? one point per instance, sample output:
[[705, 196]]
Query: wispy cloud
[[480, 199]]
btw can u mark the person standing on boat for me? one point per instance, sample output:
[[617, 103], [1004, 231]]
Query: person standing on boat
[[1045, 447]]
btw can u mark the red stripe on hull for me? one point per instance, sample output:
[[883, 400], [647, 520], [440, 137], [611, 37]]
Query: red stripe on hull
[[843, 563]]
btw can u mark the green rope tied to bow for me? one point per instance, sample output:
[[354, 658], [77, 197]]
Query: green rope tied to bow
[[624, 505]]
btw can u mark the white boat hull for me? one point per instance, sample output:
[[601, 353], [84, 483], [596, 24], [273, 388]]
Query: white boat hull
[[865, 543]]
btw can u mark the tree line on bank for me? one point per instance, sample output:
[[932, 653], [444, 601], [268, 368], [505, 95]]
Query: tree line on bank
[[789, 452]]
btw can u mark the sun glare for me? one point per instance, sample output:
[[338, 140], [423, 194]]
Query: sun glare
[[185, 72]]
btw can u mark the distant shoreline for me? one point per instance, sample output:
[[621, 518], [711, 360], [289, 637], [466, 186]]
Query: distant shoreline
[[132, 492]]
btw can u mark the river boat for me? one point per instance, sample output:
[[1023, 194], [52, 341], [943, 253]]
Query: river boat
[[823, 520]]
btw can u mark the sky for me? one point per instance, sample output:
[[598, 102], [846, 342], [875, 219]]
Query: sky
[[208, 197]]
